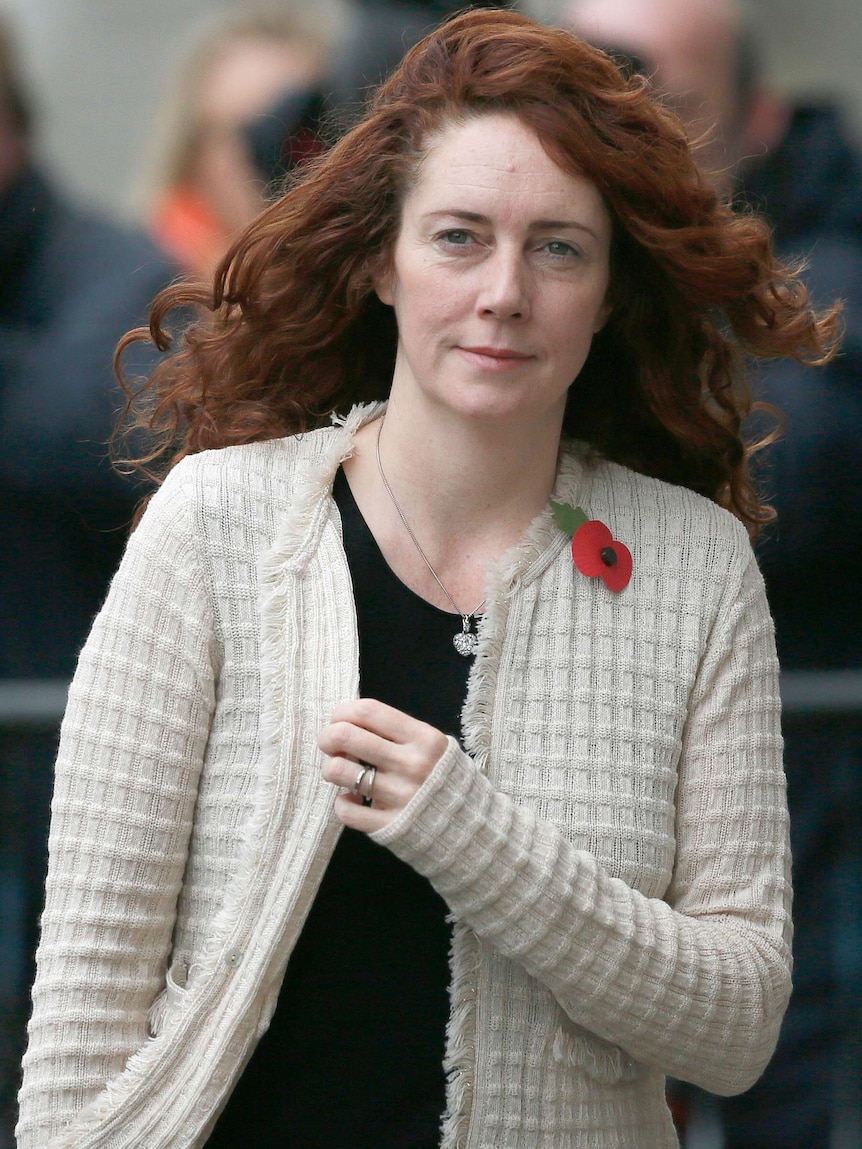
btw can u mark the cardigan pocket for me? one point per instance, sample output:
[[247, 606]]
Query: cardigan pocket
[[176, 978], [596, 1058]]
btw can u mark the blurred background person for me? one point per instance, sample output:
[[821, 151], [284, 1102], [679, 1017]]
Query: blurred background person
[[246, 105], [70, 284], [203, 186], [795, 163]]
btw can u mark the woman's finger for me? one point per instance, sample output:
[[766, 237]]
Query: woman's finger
[[353, 814], [414, 758], [343, 739], [360, 782], [375, 750], [386, 721]]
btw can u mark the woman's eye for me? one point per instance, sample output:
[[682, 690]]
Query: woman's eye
[[560, 249], [456, 237]]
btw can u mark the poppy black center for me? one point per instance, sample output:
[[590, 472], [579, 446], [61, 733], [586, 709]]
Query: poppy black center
[[608, 556]]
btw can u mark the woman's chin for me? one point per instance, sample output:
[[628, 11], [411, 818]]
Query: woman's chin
[[499, 410]]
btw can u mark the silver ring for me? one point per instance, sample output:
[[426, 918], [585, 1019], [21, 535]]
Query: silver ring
[[368, 797], [359, 778]]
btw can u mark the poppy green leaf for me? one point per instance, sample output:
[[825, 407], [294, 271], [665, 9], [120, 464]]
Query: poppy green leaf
[[568, 519]]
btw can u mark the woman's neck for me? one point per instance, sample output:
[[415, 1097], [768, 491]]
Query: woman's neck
[[467, 489]]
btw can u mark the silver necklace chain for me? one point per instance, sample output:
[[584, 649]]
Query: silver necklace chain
[[465, 641]]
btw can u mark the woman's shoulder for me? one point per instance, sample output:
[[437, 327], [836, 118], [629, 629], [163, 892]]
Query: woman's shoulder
[[671, 527], [270, 457], [274, 463], [653, 504], [248, 473], [239, 495]]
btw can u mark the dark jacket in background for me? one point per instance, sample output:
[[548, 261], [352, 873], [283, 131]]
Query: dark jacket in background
[[811, 190], [70, 285]]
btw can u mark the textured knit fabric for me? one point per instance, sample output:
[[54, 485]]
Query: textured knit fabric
[[612, 845]]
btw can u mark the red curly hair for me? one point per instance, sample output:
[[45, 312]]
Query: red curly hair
[[292, 329]]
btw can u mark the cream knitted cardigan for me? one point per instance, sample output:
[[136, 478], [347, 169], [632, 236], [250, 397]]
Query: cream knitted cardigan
[[613, 846]]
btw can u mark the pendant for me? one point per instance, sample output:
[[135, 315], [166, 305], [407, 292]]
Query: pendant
[[465, 642]]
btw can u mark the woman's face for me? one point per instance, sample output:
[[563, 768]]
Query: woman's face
[[499, 275]]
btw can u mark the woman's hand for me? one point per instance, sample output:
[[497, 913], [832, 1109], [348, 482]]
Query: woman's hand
[[369, 734]]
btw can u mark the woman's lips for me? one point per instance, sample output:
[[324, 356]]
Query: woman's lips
[[495, 356]]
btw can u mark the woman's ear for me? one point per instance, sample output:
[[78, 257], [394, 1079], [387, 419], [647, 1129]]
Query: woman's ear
[[382, 279], [604, 314]]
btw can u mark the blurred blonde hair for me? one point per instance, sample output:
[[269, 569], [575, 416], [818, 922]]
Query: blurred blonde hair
[[179, 123]]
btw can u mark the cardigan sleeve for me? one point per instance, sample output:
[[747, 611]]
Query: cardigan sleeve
[[695, 983], [131, 747]]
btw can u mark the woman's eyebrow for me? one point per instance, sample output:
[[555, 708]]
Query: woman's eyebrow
[[536, 225]]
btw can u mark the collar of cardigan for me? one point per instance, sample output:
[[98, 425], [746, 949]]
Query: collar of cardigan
[[300, 532]]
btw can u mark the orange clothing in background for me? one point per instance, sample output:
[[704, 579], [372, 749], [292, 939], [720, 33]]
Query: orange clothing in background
[[189, 231]]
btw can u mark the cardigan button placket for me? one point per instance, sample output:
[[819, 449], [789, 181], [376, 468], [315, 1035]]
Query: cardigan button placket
[[232, 958]]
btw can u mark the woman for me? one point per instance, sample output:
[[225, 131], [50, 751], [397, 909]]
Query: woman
[[275, 660]]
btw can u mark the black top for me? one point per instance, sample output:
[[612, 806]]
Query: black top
[[354, 1055]]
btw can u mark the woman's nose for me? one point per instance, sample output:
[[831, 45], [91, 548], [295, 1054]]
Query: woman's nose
[[504, 292]]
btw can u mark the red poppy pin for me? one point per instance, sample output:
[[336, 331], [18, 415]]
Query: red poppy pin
[[595, 551]]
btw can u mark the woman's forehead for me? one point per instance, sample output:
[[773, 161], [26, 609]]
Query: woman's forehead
[[496, 160]]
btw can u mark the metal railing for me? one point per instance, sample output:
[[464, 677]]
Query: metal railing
[[32, 703], [38, 704]]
